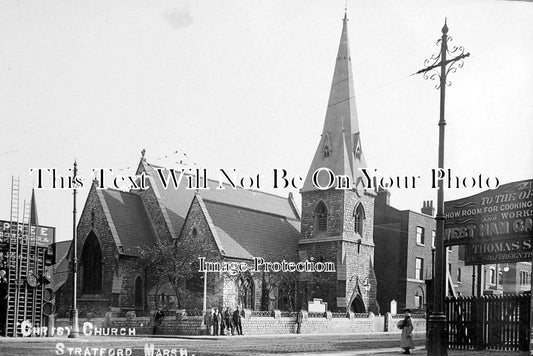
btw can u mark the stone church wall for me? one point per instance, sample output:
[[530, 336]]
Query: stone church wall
[[334, 200], [222, 290], [130, 269], [257, 325], [352, 253], [93, 219]]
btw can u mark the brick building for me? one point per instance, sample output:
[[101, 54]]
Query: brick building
[[405, 243], [506, 278]]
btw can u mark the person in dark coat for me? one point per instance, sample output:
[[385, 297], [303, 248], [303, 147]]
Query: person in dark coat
[[406, 325], [216, 322], [229, 323], [158, 320], [299, 320], [237, 321], [209, 321], [222, 322]]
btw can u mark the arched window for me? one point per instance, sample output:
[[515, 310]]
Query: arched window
[[419, 298], [194, 233], [326, 151], [321, 217], [359, 215], [286, 298], [91, 259], [358, 305], [139, 293]]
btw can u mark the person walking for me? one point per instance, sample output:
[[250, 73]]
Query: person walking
[[237, 321], [406, 325]]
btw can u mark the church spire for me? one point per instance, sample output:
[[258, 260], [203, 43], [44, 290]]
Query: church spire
[[339, 148], [34, 219]]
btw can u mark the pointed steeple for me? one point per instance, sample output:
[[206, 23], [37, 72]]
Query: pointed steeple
[[34, 218], [339, 148]]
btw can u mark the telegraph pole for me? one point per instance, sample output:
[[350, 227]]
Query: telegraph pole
[[438, 336], [74, 333]]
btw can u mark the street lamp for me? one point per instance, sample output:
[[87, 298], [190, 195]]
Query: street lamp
[[204, 327], [74, 333], [438, 340]]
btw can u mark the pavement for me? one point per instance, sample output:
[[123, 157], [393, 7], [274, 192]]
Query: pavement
[[419, 351], [394, 335], [257, 345]]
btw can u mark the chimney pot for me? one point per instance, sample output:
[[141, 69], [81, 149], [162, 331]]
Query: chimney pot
[[427, 207]]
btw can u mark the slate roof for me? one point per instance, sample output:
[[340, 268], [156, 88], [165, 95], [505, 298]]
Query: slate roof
[[246, 233], [130, 220], [61, 268], [247, 223], [62, 249], [176, 202]]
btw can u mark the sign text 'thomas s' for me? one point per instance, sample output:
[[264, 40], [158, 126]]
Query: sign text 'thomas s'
[[497, 222]]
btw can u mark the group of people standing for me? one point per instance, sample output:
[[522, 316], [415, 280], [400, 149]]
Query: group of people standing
[[224, 322]]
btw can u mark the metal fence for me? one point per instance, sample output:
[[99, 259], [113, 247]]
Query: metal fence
[[262, 313], [316, 315], [289, 314], [489, 322]]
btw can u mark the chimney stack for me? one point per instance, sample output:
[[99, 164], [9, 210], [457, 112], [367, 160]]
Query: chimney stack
[[427, 207], [383, 196]]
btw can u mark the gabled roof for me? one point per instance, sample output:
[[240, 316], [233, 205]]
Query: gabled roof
[[244, 233], [176, 202], [128, 220], [226, 245]]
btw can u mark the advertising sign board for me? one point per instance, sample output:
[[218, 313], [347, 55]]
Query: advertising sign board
[[43, 236], [496, 225]]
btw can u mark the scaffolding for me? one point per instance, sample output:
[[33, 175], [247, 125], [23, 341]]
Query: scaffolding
[[25, 260]]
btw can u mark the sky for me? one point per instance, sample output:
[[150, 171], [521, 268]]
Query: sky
[[244, 85]]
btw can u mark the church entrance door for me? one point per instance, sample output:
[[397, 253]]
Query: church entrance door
[[357, 306]]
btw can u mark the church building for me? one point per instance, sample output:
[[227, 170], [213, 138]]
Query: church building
[[338, 223], [236, 225]]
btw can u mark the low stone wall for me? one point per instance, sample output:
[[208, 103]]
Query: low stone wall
[[252, 325], [328, 323], [391, 322], [186, 326], [142, 325]]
